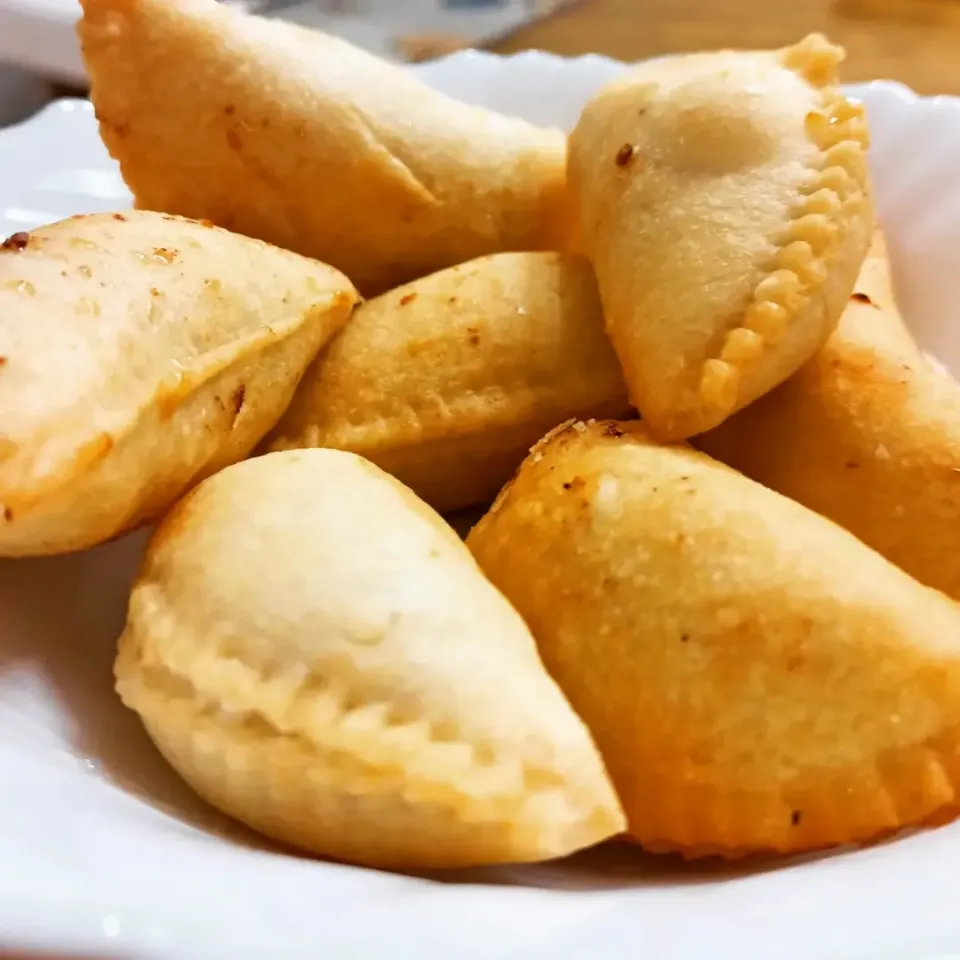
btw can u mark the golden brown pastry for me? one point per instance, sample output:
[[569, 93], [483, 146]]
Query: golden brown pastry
[[140, 352], [755, 677], [723, 200], [868, 434], [318, 655], [446, 382], [300, 139]]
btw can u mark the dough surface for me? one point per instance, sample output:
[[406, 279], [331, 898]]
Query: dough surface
[[139, 353], [318, 655], [756, 678], [725, 205]]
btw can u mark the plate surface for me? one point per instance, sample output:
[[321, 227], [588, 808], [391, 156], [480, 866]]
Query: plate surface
[[103, 851]]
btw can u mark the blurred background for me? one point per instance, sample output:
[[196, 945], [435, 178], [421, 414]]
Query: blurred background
[[914, 41]]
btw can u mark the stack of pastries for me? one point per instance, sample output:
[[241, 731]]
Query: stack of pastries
[[709, 605]]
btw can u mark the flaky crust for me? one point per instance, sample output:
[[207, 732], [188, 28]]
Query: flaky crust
[[139, 353], [317, 653], [448, 381], [724, 202], [867, 433], [756, 678], [300, 139]]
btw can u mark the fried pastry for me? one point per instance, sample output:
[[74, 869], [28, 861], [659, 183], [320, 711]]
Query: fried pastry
[[724, 203], [140, 352], [448, 381], [318, 655], [868, 434], [298, 138], [756, 678]]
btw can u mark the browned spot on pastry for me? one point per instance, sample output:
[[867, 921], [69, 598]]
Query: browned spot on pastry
[[577, 483], [7, 513], [624, 155], [205, 223], [165, 254], [852, 465], [229, 109], [862, 298], [3, 360], [407, 298], [16, 241], [120, 217], [684, 637], [239, 395], [612, 430], [795, 818], [104, 445], [794, 662], [473, 336], [233, 141], [94, 451]]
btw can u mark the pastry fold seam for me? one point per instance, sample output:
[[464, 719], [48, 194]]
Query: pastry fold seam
[[418, 187], [908, 785], [156, 684], [814, 234], [470, 413], [171, 392]]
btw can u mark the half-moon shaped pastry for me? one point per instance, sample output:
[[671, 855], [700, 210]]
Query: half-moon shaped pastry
[[755, 677], [868, 434], [319, 656], [447, 382], [305, 141], [724, 202], [140, 352]]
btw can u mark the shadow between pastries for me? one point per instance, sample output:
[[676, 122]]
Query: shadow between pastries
[[867, 433], [724, 203], [140, 352], [757, 679], [448, 381], [319, 656], [305, 141]]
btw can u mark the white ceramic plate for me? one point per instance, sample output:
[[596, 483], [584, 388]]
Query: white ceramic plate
[[104, 852]]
